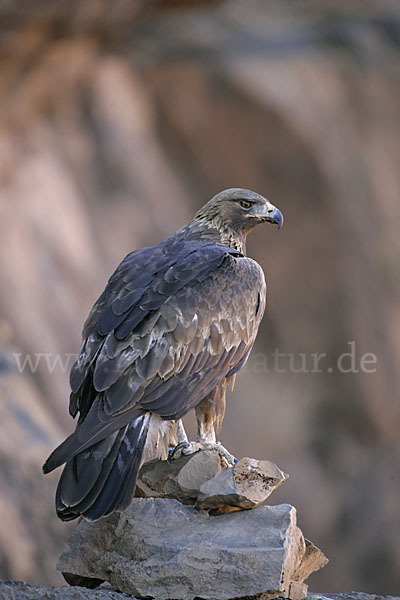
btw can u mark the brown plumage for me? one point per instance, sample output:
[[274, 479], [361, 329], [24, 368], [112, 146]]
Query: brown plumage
[[174, 324]]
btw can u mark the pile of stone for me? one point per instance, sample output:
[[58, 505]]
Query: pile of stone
[[197, 530]]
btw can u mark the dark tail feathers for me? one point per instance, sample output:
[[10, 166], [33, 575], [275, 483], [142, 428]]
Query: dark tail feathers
[[102, 478]]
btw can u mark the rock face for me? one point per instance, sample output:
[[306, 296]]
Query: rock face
[[162, 548], [26, 431]]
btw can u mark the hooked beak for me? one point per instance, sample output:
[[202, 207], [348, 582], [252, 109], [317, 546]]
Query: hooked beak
[[274, 215], [268, 213]]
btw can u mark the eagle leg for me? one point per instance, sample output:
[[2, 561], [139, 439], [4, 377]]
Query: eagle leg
[[181, 433], [209, 415], [175, 452]]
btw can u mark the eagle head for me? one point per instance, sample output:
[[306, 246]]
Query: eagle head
[[240, 210]]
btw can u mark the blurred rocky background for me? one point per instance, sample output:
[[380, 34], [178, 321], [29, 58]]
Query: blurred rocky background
[[118, 121]]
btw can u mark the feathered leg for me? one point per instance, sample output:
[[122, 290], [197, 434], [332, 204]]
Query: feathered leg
[[209, 415]]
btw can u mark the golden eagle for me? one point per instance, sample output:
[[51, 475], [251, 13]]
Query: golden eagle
[[174, 324]]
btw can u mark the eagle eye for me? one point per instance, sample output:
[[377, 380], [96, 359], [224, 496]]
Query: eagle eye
[[246, 204]]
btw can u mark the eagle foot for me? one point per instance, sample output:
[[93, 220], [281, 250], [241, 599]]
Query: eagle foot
[[188, 448], [177, 451]]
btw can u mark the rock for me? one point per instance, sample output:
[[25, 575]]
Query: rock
[[246, 485], [351, 596], [78, 581], [19, 590], [247, 553], [160, 548], [203, 480], [181, 478], [313, 560]]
